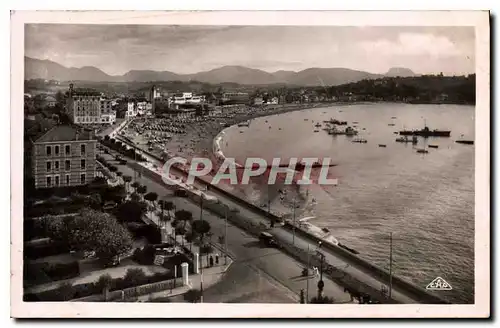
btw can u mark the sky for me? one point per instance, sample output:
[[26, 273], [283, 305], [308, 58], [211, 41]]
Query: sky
[[116, 49]]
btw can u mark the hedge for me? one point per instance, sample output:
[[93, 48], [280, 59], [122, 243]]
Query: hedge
[[34, 252], [88, 289], [46, 272]]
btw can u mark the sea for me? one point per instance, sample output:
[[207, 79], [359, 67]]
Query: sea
[[426, 201]]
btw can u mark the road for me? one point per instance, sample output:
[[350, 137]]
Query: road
[[398, 294], [258, 273]]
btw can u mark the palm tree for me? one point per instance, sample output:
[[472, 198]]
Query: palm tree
[[135, 185], [184, 216], [151, 197], [127, 179], [142, 190]]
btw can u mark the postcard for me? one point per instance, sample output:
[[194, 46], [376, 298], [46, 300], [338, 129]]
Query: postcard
[[250, 164]]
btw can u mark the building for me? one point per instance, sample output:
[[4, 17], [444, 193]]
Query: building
[[87, 106], [49, 101], [108, 115], [131, 110], [258, 101], [64, 156], [229, 98], [83, 106]]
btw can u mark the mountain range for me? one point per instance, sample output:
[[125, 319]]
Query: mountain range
[[49, 70]]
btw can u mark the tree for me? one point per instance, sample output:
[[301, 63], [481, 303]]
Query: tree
[[135, 185], [141, 190], [127, 179], [119, 173], [131, 211], [180, 231], [104, 281], [201, 228], [98, 232], [135, 276], [322, 300], [151, 197], [184, 216], [95, 201]]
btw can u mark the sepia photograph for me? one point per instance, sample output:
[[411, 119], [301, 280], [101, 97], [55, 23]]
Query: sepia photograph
[[244, 158]]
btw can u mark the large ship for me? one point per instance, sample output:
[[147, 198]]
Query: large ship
[[425, 132]]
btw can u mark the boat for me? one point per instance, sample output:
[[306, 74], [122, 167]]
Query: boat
[[382, 145], [355, 122], [394, 117], [335, 122], [405, 139], [425, 132], [465, 142], [396, 132], [316, 130], [433, 146], [391, 124], [422, 151], [306, 119], [317, 125], [360, 140]]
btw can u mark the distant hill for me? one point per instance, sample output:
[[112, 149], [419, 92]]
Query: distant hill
[[46, 69], [400, 71]]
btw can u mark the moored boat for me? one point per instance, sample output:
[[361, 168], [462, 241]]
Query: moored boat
[[425, 132], [433, 146], [465, 142]]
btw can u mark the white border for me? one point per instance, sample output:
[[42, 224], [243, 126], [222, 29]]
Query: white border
[[437, 18]]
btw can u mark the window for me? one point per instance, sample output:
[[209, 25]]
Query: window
[[49, 150], [57, 180], [67, 165], [56, 165], [56, 150], [67, 179], [82, 149], [49, 181], [49, 166], [82, 164], [82, 178], [67, 149]]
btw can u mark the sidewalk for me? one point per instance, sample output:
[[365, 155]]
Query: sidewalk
[[210, 276]]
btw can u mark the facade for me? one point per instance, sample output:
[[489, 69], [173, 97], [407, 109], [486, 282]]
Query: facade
[[50, 101], [64, 157], [131, 110], [83, 106], [235, 98], [258, 101], [186, 98], [87, 106]]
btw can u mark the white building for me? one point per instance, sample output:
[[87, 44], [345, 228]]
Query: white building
[[131, 110]]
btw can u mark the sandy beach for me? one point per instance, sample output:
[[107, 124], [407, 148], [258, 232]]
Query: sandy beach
[[195, 137]]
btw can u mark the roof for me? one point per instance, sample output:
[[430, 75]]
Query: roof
[[50, 98], [65, 133]]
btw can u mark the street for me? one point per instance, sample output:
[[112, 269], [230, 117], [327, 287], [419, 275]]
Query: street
[[254, 265]]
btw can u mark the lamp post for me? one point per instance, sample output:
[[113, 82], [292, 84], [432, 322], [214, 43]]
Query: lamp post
[[321, 283], [293, 238], [390, 267], [226, 208]]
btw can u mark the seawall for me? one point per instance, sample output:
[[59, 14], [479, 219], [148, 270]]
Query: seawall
[[419, 293]]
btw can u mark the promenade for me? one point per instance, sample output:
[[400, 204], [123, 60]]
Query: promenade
[[258, 273], [401, 293]]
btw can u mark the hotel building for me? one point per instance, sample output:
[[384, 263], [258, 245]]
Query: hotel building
[[64, 157], [87, 106]]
